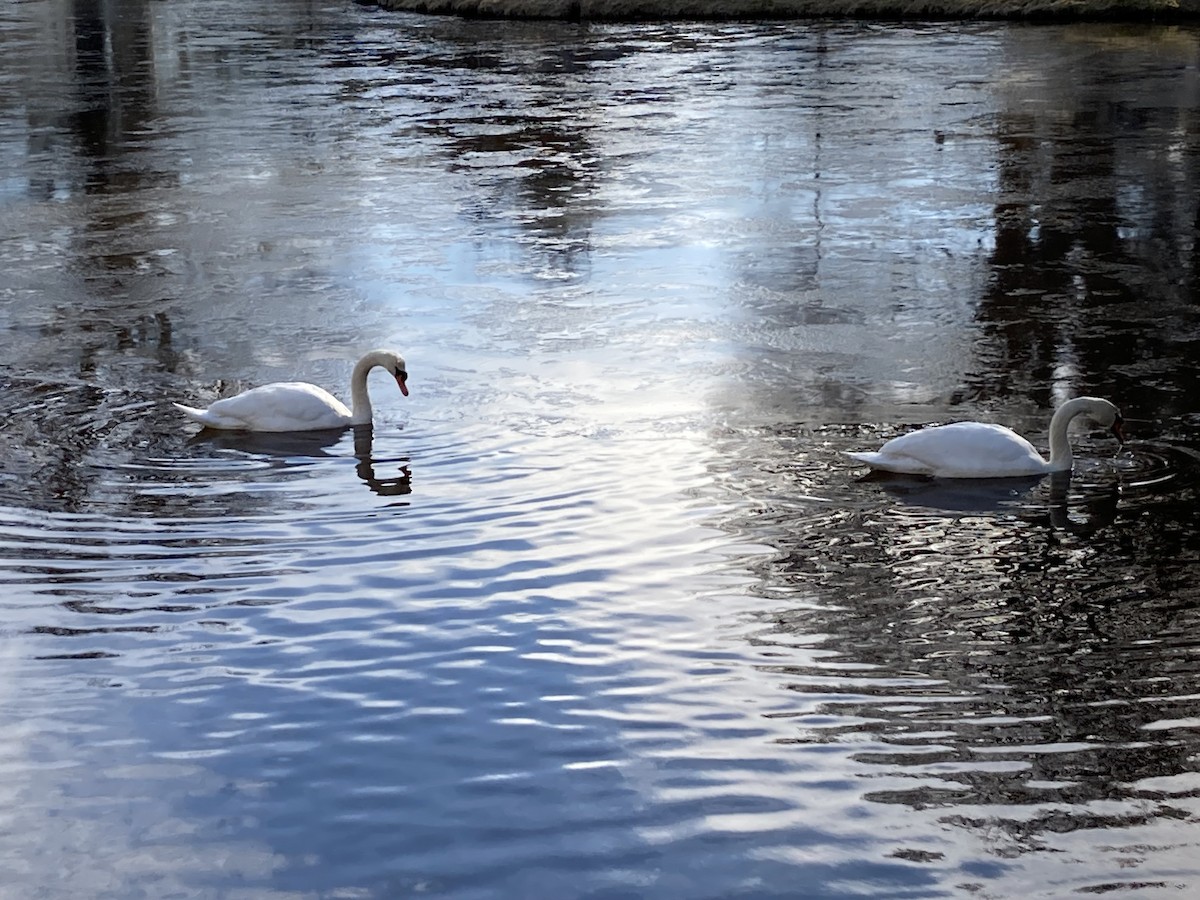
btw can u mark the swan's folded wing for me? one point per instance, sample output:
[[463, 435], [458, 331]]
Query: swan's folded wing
[[287, 406], [958, 450]]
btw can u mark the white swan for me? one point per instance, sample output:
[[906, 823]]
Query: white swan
[[979, 450], [298, 406]]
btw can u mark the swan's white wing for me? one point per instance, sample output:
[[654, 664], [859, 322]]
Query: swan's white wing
[[959, 450], [286, 406]]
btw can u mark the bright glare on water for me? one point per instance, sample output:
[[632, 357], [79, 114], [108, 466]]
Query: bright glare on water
[[602, 609]]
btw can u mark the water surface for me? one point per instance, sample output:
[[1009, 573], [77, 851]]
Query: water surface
[[601, 609]]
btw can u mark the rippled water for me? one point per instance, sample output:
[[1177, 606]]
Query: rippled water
[[601, 609]]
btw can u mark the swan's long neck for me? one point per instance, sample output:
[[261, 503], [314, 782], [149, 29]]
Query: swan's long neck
[[360, 398], [1061, 458]]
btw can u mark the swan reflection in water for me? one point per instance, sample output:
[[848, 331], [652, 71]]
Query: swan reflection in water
[[962, 495], [310, 445], [394, 486], [1083, 511], [301, 444]]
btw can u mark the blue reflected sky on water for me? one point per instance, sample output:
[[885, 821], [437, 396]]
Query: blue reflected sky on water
[[601, 609]]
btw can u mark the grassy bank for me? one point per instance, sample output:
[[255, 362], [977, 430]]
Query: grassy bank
[[640, 10]]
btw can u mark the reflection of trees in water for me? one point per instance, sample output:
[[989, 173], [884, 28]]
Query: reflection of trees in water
[[990, 662], [103, 259], [981, 673], [112, 75], [523, 162], [1038, 654], [1093, 270], [59, 424], [89, 375], [546, 179], [79, 384]]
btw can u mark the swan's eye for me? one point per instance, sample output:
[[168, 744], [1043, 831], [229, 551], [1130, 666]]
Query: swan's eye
[[400, 373]]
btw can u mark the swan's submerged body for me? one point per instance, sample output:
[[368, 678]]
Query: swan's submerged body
[[983, 450], [298, 406]]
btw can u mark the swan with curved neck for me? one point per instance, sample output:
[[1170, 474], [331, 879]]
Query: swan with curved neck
[[299, 406], [982, 450]]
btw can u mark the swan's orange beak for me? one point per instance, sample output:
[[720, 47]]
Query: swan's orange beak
[[401, 379], [1118, 429]]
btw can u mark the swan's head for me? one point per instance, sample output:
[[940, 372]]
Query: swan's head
[[393, 362], [400, 372], [1105, 414]]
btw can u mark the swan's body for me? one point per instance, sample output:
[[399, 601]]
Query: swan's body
[[979, 450], [297, 406]]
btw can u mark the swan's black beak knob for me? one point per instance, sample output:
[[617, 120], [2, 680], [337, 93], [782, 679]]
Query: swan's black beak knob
[[402, 381], [1118, 429]]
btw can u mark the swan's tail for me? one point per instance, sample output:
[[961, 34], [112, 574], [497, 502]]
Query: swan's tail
[[898, 463], [866, 458], [203, 416]]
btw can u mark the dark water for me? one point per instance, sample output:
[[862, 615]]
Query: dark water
[[600, 610]]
